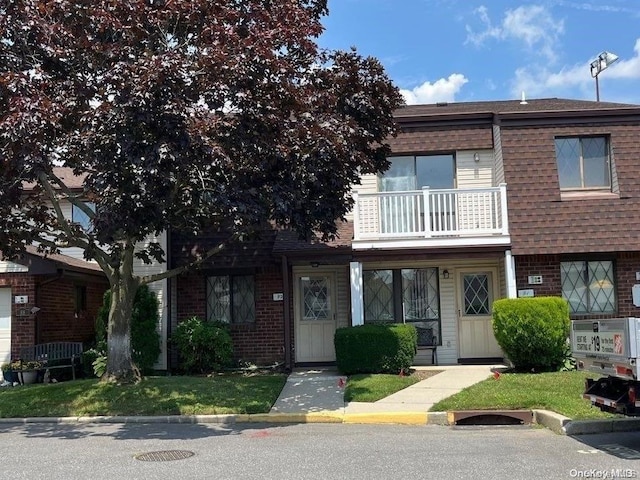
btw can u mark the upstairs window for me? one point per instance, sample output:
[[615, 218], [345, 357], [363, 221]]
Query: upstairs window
[[414, 172], [583, 163], [82, 219]]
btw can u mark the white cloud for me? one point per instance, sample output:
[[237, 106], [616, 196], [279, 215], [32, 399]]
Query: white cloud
[[575, 81], [533, 25], [442, 90], [627, 68]]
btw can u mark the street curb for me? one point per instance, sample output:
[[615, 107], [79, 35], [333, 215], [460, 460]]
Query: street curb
[[565, 426], [555, 422]]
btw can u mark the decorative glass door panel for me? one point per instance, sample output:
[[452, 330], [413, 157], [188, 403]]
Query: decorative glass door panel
[[316, 298], [476, 294]]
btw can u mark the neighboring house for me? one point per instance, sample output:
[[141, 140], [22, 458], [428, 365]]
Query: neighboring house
[[47, 299], [482, 200], [66, 291]]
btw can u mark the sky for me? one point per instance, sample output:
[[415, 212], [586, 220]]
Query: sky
[[476, 50]]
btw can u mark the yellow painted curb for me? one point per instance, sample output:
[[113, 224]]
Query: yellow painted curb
[[291, 418], [401, 418]]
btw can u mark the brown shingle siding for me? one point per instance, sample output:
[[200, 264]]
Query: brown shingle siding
[[426, 139], [540, 222]]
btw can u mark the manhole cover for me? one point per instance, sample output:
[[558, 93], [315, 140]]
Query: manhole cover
[[164, 456]]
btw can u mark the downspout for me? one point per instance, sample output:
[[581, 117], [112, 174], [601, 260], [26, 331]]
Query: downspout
[[286, 298]]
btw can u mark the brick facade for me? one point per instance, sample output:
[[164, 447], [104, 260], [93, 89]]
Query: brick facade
[[56, 320], [262, 342], [548, 266]]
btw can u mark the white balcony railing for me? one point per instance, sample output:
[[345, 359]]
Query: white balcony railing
[[430, 213]]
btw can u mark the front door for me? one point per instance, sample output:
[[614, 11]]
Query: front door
[[475, 302], [5, 325], [315, 317]]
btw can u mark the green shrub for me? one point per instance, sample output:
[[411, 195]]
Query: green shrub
[[90, 356], [532, 331], [145, 340], [375, 348], [202, 346]]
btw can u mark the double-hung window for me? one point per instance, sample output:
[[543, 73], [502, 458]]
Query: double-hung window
[[583, 163], [408, 295], [231, 299], [589, 286]]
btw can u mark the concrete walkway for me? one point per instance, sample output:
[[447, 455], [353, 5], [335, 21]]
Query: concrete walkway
[[322, 390]]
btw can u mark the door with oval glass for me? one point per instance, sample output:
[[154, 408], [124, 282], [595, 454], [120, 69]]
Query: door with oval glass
[[477, 290], [315, 317]]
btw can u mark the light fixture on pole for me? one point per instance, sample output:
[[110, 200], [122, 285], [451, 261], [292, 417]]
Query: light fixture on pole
[[599, 64]]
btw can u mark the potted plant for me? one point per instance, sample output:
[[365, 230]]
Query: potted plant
[[27, 372], [8, 375]]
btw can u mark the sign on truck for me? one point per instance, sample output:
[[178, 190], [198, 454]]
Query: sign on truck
[[609, 347]]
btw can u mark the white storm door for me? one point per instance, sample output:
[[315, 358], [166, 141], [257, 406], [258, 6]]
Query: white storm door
[[315, 318], [5, 325], [475, 302]]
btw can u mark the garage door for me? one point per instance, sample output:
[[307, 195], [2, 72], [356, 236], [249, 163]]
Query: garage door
[[5, 325]]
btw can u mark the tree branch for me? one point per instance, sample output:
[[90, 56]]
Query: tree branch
[[177, 271]]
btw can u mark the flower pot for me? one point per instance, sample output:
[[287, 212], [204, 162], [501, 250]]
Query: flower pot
[[27, 378], [9, 376]]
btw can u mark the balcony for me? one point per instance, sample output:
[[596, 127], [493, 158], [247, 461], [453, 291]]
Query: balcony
[[431, 218]]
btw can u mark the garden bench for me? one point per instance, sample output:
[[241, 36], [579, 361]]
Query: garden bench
[[51, 355]]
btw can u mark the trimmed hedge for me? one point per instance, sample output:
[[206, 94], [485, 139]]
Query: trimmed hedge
[[532, 332], [375, 348]]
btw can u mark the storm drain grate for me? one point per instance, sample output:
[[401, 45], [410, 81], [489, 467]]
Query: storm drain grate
[[164, 456]]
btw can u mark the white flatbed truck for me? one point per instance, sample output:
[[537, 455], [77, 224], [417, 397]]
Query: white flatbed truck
[[609, 347]]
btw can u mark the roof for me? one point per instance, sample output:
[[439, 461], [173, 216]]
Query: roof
[[66, 174], [65, 261], [288, 241], [508, 106]]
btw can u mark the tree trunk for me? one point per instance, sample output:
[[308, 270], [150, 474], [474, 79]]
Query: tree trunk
[[120, 366]]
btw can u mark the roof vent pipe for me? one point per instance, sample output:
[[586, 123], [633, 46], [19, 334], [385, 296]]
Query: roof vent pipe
[[524, 99]]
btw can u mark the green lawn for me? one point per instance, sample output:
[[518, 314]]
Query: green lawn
[[153, 396], [560, 392], [373, 387]]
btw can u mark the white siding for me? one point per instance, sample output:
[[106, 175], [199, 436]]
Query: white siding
[[499, 164], [10, 267], [5, 326], [472, 174], [369, 184], [160, 289]]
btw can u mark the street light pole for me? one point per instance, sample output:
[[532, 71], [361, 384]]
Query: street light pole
[[600, 64]]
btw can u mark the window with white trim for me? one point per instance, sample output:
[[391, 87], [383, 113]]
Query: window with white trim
[[583, 163], [589, 286], [231, 299]]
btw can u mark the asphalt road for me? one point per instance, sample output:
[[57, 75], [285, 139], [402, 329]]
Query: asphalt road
[[314, 451]]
